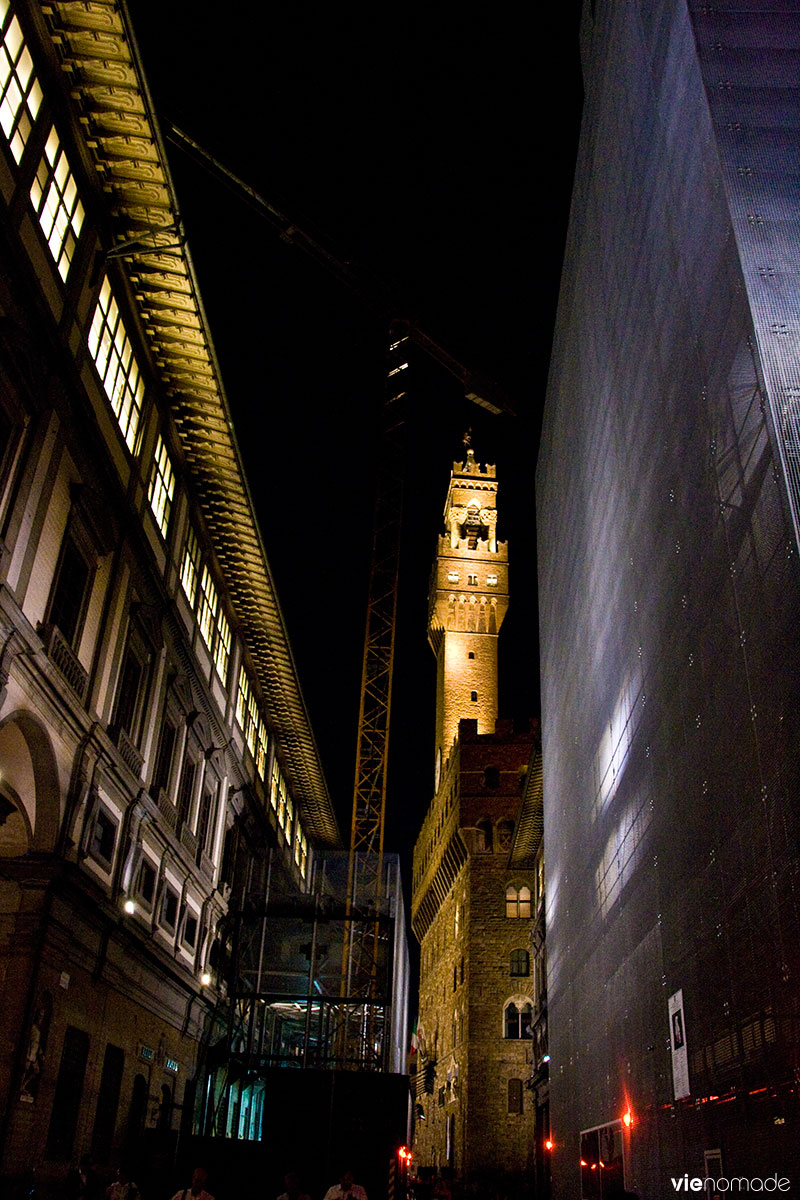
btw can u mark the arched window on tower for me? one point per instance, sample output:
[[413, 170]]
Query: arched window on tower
[[505, 834], [517, 1019], [520, 963], [518, 902]]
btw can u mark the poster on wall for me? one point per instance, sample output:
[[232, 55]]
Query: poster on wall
[[680, 1054]]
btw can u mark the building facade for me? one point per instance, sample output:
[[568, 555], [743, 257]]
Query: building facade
[[472, 902], [156, 758], [669, 596]]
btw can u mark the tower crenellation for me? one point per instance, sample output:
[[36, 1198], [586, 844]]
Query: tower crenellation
[[467, 604]]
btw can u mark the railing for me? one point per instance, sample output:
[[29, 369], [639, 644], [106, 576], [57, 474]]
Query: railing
[[130, 755], [205, 864], [65, 659], [189, 840], [167, 809]]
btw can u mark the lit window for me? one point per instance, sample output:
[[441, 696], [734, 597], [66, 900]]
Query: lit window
[[518, 903], [209, 606], [242, 698], [279, 797], [397, 370], [54, 196], [491, 580], [275, 784], [162, 487], [20, 94], [452, 576], [110, 348], [190, 567], [300, 848], [251, 722], [222, 649], [252, 726], [261, 749], [214, 627]]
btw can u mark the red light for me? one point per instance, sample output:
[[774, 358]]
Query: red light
[[584, 1162], [548, 1145], [627, 1119], [405, 1153]]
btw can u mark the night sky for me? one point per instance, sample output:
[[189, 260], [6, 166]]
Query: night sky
[[433, 148]]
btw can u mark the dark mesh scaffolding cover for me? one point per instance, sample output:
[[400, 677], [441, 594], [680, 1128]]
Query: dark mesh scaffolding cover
[[669, 594]]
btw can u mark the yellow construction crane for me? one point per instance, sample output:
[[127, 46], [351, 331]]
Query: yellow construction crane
[[358, 1040]]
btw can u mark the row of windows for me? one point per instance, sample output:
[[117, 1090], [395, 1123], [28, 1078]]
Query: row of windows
[[447, 1092], [517, 1026], [172, 917], [251, 722], [201, 592], [472, 579], [281, 801], [20, 94], [55, 200], [54, 193], [131, 706]]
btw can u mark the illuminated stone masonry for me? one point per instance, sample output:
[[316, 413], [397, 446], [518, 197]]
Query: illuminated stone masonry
[[471, 906]]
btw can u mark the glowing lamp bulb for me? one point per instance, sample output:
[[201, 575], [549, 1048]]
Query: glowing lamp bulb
[[546, 1058], [129, 907], [627, 1119], [548, 1145], [205, 979]]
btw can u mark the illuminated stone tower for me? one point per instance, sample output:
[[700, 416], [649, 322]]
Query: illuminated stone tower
[[468, 601], [474, 889]]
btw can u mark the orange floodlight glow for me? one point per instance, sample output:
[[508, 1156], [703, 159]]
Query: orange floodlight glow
[[627, 1118], [548, 1144]]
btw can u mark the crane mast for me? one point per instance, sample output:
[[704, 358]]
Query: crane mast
[[359, 1039]]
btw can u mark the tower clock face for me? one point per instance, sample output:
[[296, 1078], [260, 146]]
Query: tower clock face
[[437, 775]]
